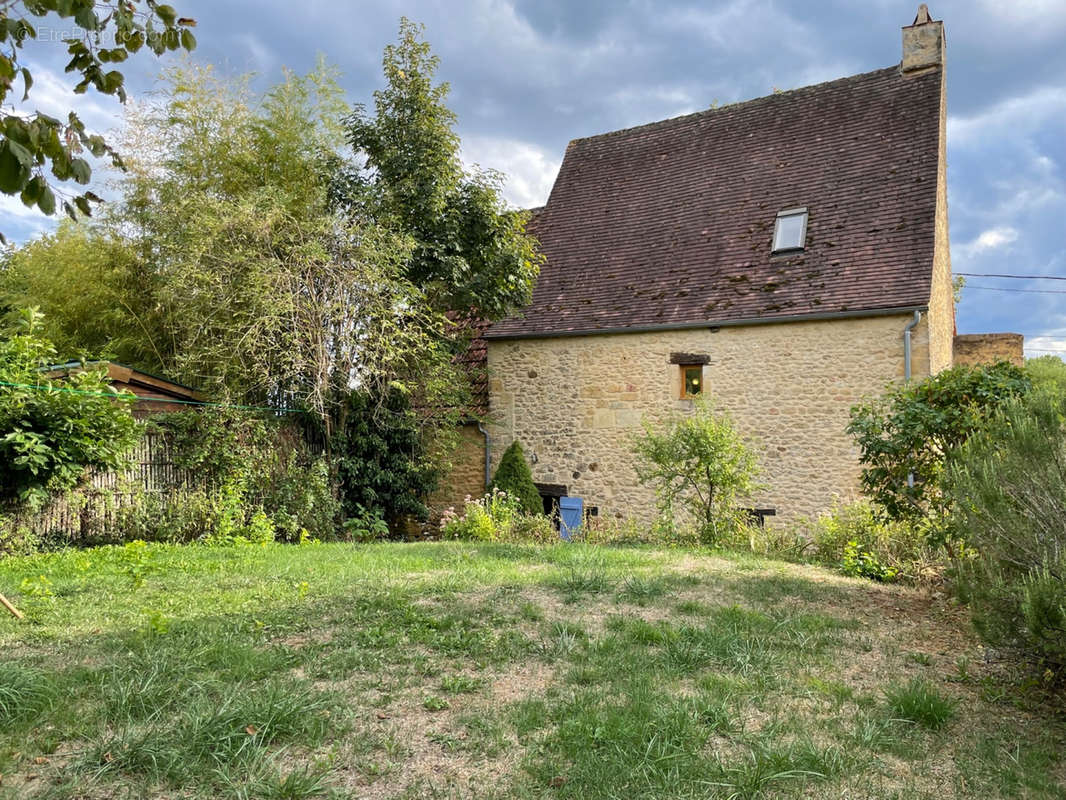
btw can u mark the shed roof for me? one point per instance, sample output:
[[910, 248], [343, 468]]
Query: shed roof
[[671, 224], [143, 384]]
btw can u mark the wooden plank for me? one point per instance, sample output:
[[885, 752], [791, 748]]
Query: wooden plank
[[7, 604]]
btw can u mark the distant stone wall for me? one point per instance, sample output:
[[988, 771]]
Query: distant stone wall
[[467, 475], [988, 348], [574, 403]]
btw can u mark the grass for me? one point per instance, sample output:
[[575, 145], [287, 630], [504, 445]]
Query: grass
[[920, 702], [482, 671]]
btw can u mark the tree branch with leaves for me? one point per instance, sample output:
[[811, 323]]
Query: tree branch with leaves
[[32, 143]]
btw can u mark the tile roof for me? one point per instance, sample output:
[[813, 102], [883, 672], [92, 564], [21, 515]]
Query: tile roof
[[472, 361], [671, 223]]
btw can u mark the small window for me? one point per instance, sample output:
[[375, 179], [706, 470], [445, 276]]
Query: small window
[[790, 233], [691, 380]]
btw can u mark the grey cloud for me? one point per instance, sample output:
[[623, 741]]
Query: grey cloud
[[529, 75]]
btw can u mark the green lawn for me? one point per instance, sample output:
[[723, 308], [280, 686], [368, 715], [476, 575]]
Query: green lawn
[[460, 670]]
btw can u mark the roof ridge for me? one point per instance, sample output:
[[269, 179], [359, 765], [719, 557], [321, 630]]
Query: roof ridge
[[672, 222], [773, 96]]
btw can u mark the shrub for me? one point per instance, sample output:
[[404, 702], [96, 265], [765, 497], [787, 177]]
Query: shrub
[[1048, 373], [907, 436], [17, 538], [497, 517], [1009, 490], [854, 539], [700, 462], [241, 478], [858, 563], [382, 464], [254, 476], [366, 526], [515, 478], [51, 432]]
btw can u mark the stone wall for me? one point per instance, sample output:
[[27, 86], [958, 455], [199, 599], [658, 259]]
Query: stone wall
[[466, 478], [988, 348], [574, 402], [941, 300]]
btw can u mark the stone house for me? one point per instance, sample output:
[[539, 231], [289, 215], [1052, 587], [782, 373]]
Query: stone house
[[785, 256]]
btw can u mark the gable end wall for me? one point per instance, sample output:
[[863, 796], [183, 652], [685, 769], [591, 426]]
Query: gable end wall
[[941, 301], [575, 402]]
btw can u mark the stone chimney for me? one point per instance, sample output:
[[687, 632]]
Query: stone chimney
[[923, 44]]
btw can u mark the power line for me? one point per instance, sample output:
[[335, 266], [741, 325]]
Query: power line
[[1011, 289], [1017, 277]]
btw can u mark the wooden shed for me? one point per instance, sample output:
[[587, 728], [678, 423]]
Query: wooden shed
[[154, 394]]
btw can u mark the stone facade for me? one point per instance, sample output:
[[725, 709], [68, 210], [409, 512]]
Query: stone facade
[[988, 348], [941, 311], [466, 478], [574, 403]]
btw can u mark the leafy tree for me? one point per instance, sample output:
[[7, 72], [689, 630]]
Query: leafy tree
[[30, 143], [907, 436], [701, 462], [514, 477], [470, 253], [51, 431], [95, 295], [266, 294]]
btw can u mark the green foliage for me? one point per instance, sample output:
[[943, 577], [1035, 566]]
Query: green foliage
[[51, 431], [1008, 487], [784, 542], [858, 563], [225, 263], [470, 252], [257, 480], [855, 539], [31, 142], [497, 517], [514, 478], [1048, 373], [265, 293], [382, 464], [700, 462], [366, 525], [137, 562], [97, 297], [221, 445], [17, 537], [908, 436]]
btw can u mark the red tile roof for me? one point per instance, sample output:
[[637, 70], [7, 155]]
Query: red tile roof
[[671, 223], [472, 360]]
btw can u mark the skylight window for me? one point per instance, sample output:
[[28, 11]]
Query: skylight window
[[791, 230]]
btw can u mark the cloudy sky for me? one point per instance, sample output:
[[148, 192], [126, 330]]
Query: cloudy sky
[[529, 75]]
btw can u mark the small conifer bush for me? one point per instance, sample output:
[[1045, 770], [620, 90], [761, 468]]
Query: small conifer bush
[[515, 478]]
